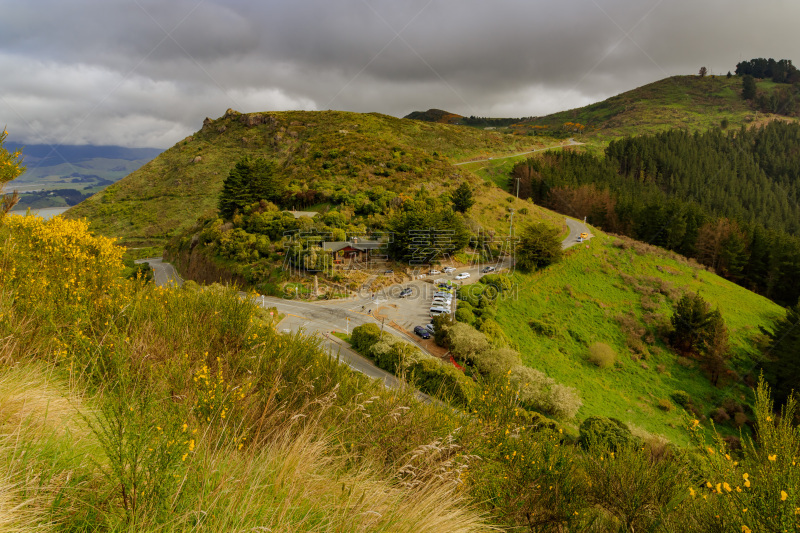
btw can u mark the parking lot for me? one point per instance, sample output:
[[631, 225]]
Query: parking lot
[[413, 309]]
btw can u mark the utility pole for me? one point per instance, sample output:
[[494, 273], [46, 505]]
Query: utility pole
[[511, 227], [518, 188]]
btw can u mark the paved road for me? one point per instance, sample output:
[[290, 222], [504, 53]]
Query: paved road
[[570, 142], [164, 273], [575, 230], [320, 318]]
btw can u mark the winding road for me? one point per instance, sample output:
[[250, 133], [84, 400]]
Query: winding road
[[324, 317]]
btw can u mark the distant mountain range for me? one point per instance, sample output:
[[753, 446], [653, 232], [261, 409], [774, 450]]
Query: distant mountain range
[[39, 155], [63, 175]]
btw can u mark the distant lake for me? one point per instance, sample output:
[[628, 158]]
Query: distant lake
[[44, 212]]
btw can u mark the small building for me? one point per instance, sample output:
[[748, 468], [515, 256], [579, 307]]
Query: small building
[[353, 251]]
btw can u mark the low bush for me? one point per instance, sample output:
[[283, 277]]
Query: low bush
[[681, 398], [602, 355], [538, 392], [443, 381], [543, 327], [364, 336], [608, 432]]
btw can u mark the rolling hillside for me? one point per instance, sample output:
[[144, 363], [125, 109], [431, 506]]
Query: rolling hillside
[[688, 102], [326, 151], [615, 291]]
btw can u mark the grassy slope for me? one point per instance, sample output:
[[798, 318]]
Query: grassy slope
[[585, 293], [679, 101], [168, 194]]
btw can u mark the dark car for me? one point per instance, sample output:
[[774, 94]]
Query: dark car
[[405, 292], [422, 332], [390, 271]]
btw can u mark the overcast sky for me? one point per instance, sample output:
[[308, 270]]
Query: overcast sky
[[147, 72]]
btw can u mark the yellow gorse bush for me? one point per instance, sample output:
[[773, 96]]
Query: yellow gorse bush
[[57, 259], [10, 162]]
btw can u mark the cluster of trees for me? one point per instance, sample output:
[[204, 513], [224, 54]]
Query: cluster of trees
[[781, 71], [781, 364], [486, 122], [426, 229], [700, 332], [730, 200]]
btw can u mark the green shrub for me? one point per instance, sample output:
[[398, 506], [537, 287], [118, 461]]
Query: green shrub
[[444, 381], [496, 362], [465, 341], [544, 328], [607, 432], [498, 281], [364, 336], [602, 355], [681, 398], [494, 333], [464, 314], [441, 329], [538, 392], [665, 405]]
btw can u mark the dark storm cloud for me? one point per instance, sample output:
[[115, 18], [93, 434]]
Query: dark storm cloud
[[147, 72]]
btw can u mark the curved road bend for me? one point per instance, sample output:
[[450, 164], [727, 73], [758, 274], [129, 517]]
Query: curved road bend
[[575, 230], [163, 273], [313, 319], [320, 319]]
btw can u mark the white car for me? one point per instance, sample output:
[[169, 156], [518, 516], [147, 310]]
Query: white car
[[441, 302], [434, 272], [463, 275], [447, 270]]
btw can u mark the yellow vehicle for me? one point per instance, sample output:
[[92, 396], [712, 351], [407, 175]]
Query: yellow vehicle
[[584, 235]]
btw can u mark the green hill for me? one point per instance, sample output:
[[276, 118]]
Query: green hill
[[621, 293], [365, 168], [678, 101], [329, 152], [435, 115]]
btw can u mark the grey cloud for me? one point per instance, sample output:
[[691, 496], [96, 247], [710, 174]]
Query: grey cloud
[[146, 72]]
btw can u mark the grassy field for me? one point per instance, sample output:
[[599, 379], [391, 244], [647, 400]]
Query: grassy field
[[620, 292]]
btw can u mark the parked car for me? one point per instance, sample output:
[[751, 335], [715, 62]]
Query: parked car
[[447, 270], [390, 271], [429, 327], [441, 302], [463, 275], [487, 269], [406, 292], [438, 310], [434, 272], [445, 295], [422, 332], [584, 235]]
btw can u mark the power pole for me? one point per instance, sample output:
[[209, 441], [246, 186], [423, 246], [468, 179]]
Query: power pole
[[511, 227], [517, 188]]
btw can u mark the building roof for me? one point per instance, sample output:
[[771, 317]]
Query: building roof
[[358, 245]]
